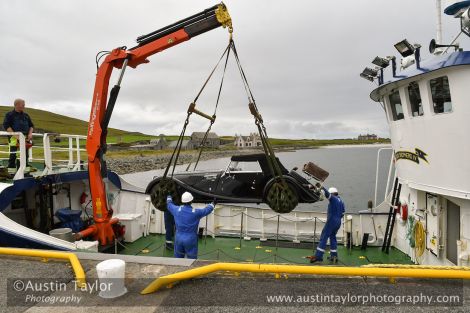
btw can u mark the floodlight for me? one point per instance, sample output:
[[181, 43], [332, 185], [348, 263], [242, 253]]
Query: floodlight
[[382, 62], [465, 22], [367, 77], [461, 10], [370, 72], [405, 48]]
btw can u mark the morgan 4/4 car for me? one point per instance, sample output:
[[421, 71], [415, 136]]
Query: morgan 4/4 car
[[247, 179]]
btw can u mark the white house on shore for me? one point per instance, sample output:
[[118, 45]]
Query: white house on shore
[[253, 140]]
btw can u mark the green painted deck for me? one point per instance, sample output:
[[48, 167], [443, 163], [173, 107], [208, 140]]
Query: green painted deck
[[227, 249]]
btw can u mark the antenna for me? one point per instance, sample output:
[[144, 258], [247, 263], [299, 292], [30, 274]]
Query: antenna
[[438, 22]]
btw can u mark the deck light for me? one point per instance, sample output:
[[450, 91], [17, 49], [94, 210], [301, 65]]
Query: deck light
[[465, 22], [382, 62], [460, 10], [370, 72], [405, 48], [367, 77]]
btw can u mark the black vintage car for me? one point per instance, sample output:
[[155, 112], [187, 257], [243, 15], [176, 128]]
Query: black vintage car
[[247, 179]]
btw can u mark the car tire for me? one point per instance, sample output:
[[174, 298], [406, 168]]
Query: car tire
[[160, 191], [281, 196]]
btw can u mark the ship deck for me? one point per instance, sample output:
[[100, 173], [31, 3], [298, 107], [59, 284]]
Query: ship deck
[[228, 249]]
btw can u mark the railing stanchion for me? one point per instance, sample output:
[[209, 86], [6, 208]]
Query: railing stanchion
[[277, 237], [314, 233], [241, 230], [205, 236]]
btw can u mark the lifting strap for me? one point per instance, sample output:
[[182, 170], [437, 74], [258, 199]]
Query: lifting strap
[[280, 196], [203, 142], [272, 162], [176, 152]]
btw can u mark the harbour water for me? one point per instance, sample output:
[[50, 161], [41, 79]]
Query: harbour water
[[352, 170]]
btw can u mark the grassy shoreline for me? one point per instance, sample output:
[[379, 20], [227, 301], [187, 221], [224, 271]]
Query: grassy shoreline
[[125, 161], [277, 144]]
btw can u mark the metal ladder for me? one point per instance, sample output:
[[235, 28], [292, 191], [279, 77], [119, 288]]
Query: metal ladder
[[392, 216]]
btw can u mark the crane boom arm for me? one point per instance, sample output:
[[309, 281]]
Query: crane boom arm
[[102, 108]]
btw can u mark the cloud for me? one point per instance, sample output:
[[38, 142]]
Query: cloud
[[302, 60]]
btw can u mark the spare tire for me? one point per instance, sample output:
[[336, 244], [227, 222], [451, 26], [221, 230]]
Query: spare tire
[[160, 191], [281, 197]]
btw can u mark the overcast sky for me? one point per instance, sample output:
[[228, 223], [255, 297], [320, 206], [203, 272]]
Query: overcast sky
[[302, 59]]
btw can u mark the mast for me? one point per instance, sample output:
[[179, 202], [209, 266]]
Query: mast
[[438, 22]]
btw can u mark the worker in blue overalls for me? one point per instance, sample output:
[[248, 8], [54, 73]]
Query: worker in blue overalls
[[333, 223], [187, 221], [169, 230]]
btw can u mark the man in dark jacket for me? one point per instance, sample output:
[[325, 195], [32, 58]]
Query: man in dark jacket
[[17, 121]]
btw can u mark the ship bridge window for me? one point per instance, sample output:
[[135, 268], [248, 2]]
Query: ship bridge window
[[441, 95], [415, 99], [395, 105]]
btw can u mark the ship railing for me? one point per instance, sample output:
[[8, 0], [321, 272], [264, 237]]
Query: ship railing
[[5, 151], [57, 152], [387, 188], [276, 220], [62, 152], [297, 226], [245, 223], [297, 229]]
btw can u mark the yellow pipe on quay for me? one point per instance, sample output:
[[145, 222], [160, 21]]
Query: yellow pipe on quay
[[307, 270], [49, 254]]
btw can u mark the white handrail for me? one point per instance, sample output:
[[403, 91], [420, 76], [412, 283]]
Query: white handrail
[[72, 163], [392, 158], [377, 173], [73, 148], [22, 141]]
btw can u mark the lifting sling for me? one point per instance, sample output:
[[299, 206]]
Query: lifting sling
[[280, 196], [166, 186]]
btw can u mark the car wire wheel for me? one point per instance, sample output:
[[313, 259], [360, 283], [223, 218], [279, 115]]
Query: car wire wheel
[[281, 197], [161, 190]]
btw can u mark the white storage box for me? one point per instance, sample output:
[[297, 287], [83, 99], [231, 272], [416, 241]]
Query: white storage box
[[87, 246], [133, 223]]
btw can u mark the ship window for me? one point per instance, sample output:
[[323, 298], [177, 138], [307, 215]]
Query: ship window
[[415, 99], [396, 106], [441, 95]]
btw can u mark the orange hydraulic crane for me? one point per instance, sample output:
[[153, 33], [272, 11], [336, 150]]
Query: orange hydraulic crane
[[100, 115]]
